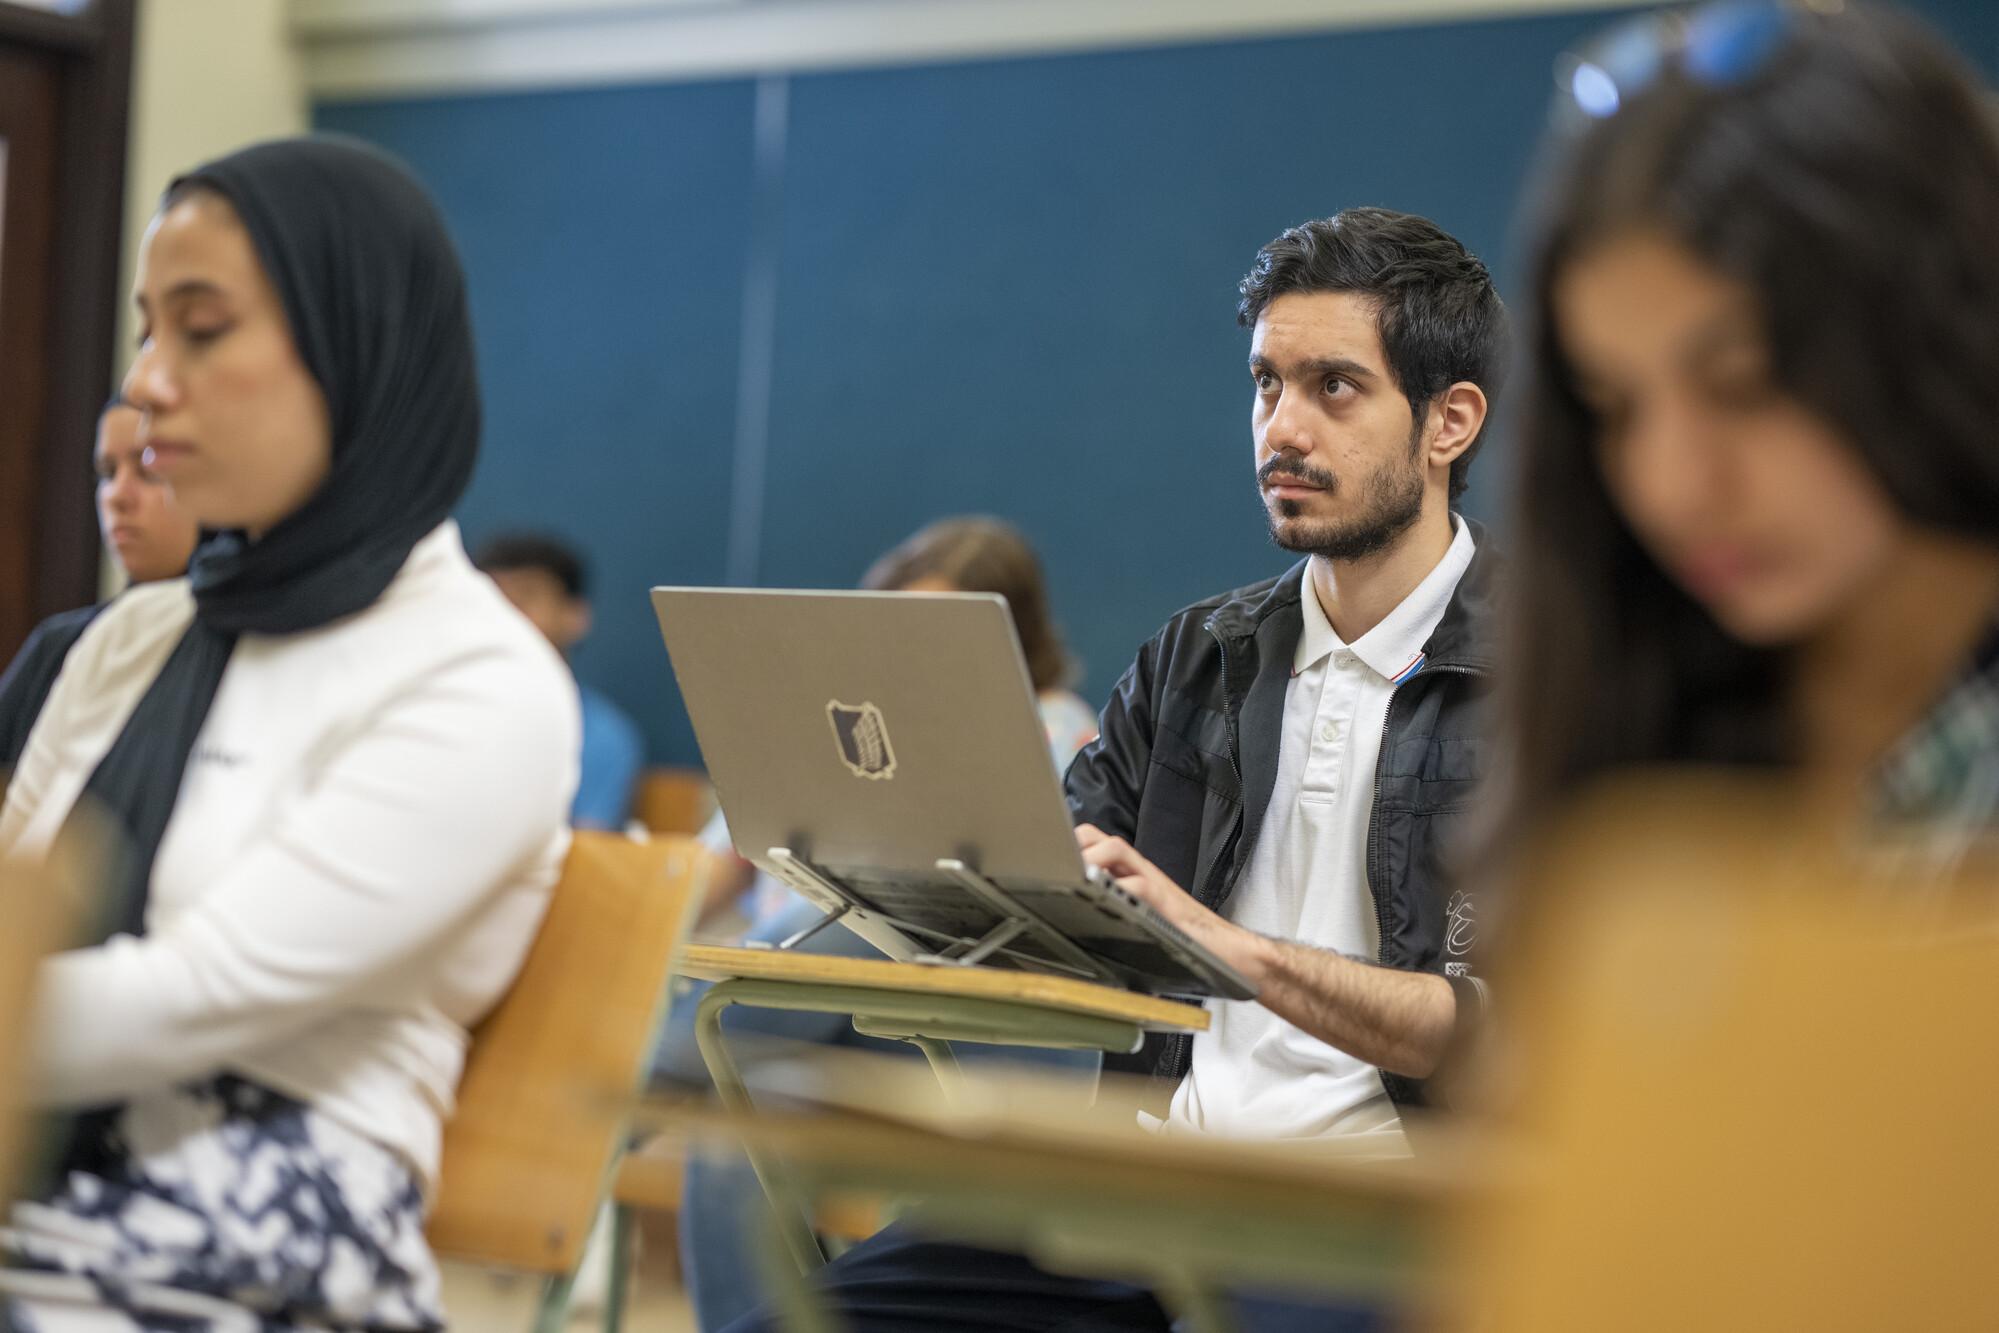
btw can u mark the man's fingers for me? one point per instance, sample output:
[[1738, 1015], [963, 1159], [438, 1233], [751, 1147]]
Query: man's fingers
[[1139, 887], [1113, 854]]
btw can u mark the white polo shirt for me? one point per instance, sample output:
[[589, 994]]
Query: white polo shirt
[[1253, 1074]]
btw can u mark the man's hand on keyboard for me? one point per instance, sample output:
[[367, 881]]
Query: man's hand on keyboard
[[1244, 950], [1399, 1021]]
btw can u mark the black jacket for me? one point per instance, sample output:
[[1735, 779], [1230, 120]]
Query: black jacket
[[25, 685], [1188, 758]]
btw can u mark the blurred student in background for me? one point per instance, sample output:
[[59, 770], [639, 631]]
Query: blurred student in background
[[548, 581], [146, 533], [960, 554], [1759, 488], [340, 765]]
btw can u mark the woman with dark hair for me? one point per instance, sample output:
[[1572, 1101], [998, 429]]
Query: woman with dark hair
[[337, 764], [1759, 497]]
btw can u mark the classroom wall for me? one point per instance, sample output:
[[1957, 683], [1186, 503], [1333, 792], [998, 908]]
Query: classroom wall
[[206, 78], [723, 344]]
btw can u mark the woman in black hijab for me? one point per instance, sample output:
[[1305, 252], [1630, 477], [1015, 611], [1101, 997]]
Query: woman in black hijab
[[334, 765]]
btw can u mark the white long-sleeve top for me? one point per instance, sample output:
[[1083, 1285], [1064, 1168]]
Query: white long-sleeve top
[[364, 843]]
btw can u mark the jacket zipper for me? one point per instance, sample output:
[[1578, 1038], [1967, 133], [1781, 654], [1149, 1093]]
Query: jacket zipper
[[1228, 701], [1180, 1045], [1229, 728]]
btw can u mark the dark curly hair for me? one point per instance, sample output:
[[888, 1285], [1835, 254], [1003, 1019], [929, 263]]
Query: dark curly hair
[[1851, 184], [1438, 316], [511, 551]]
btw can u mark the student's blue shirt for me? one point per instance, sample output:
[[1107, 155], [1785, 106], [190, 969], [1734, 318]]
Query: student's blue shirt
[[613, 752]]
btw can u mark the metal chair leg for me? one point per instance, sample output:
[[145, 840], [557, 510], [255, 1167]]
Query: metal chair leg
[[553, 1314], [622, 1272]]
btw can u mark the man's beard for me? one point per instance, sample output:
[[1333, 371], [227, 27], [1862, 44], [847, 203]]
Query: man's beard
[[1391, 501]]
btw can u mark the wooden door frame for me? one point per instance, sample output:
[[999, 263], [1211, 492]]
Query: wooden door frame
[[93, 49]]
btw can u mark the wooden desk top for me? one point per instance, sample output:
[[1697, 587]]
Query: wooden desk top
[[710, 962]]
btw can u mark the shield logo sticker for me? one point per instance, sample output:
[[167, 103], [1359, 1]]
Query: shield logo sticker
[[863, 739]]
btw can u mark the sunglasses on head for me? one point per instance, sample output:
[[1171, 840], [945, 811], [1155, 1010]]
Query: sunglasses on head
[[1721, 43]]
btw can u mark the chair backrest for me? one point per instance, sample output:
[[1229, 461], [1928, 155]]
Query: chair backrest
[[541, 1115], [1755, 1086], [673, 800], [33, 909]]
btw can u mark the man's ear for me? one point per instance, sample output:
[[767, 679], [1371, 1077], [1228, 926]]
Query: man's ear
[[1456, 417]]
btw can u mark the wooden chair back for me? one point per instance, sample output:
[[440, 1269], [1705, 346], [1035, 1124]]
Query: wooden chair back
[[33, 910], [1755, 1085], [541, 1116]]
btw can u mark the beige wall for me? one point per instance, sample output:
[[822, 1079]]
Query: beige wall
[[208, 75]]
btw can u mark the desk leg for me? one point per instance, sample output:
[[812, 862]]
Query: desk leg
[[792, 1224], [944, 1063], [1201, 1309], [798, 1307]]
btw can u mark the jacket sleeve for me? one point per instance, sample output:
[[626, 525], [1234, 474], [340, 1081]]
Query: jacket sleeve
[[1108, 775]]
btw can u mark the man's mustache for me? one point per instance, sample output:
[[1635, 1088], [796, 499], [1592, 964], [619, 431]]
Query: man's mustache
[[1280, 466]]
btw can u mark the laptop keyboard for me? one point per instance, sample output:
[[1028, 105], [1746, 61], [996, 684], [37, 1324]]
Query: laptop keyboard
[[918, 901]]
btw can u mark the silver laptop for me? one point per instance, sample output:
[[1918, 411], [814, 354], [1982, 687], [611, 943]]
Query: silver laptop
[[882, 754]]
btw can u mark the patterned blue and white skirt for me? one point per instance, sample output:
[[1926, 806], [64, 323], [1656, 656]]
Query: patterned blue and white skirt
[[217, 1207]]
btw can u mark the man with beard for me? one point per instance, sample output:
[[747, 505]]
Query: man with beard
[[1280, 769]]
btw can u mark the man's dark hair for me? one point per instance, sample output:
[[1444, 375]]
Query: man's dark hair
[[1438, 316], [536, 550]]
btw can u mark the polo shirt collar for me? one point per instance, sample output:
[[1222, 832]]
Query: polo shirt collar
[[1393, 649]]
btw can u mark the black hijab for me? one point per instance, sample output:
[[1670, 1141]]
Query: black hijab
[[375, 297]]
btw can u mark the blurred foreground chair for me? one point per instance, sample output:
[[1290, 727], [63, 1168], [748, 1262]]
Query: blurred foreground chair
[[673, 800], [1755, 1076], [33, 910], [548, 1087]]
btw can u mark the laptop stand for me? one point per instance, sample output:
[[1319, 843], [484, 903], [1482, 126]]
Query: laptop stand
[[1016, 920]]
